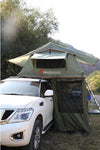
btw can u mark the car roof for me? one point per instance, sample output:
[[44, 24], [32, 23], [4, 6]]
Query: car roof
[[24, 79]]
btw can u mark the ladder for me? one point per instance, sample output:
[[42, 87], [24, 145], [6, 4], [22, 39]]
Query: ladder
[[94, 98]]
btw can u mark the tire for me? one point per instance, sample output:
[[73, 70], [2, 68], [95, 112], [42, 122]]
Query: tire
[[35, 140]]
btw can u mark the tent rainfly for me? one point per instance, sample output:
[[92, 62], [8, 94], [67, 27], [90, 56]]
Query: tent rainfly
[[60, 65]]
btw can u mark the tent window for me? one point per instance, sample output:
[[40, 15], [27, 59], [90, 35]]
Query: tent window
[[70, 97], [50, 63]]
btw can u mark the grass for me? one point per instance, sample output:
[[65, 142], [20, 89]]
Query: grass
[[54, 140], [92, 105]]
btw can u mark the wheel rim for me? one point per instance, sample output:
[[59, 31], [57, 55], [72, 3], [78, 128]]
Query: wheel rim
[[37, 138]]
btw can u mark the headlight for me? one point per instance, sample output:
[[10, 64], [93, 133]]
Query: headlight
[[22, 114]]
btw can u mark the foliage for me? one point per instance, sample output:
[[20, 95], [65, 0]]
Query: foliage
[[94, 81], [22, 31]]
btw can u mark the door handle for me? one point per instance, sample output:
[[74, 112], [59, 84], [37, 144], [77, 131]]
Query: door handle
[[51, 100]]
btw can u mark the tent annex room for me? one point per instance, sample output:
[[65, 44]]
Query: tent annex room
[[60, 66]]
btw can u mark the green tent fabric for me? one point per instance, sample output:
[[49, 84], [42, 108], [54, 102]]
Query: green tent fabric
[[80, 55], [66, 116], [50, 65]]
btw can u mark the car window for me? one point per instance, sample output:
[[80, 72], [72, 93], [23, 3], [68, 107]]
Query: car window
[[29, 88], [44, 86]]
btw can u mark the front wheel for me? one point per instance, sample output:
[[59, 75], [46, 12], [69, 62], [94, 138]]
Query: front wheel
[[36, 136]]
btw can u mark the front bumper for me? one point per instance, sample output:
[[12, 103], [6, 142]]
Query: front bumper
[[8, 134]]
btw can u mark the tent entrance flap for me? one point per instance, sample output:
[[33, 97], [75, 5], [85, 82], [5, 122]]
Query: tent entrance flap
[[70, 105]]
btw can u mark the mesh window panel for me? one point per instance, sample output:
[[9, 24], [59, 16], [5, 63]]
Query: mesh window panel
[[51, 63], [70, 97]]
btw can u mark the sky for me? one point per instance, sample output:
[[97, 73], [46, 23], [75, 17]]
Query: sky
[[79, 22]]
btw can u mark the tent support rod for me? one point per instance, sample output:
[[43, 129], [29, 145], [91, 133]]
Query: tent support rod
[[94, 98]]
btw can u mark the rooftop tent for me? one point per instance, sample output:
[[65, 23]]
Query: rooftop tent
[[60, 66], [80, 55], [52, 64]]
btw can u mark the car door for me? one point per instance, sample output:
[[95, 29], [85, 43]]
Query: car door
[[48, 102]]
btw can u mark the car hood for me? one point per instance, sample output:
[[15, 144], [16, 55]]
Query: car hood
[[16, 101]]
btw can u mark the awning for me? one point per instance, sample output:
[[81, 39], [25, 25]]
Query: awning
[[49, 56], [20, 61]]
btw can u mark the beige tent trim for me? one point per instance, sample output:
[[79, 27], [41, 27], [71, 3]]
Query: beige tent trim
[[20, 61]]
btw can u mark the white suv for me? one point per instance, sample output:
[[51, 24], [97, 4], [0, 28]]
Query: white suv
[[26, 111]]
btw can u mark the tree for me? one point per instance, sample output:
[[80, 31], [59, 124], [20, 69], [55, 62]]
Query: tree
[[22, 31]]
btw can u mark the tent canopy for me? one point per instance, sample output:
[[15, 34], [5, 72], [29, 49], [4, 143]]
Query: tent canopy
[[80, 55], [60, 66]]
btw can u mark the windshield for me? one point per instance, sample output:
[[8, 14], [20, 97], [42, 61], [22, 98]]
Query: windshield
[[11, 87]]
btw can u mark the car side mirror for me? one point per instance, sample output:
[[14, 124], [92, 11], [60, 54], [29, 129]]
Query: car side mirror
[[48, 93]]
